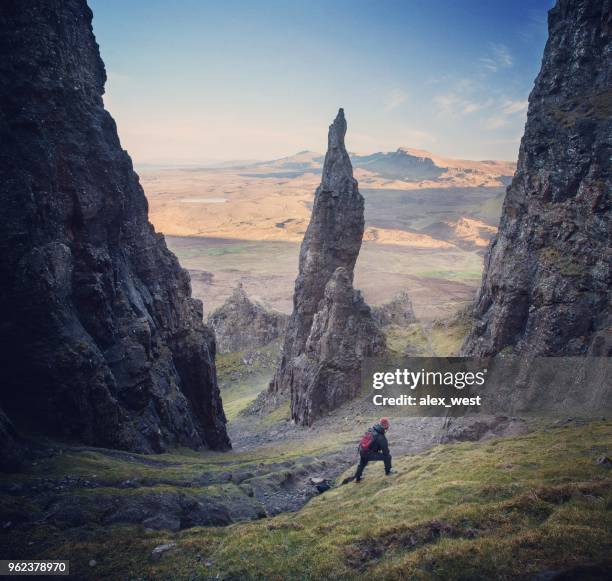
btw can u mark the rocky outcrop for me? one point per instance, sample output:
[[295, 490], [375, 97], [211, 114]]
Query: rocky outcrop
[[241, 324], [546, 284], [398, 311], [101, 340], [331, 328], [343, 333]]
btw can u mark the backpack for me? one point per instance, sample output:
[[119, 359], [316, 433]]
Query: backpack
[[366, 441]]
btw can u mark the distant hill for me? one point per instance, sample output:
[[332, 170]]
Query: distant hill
[[394, 169], [399, 165], [413, 198]]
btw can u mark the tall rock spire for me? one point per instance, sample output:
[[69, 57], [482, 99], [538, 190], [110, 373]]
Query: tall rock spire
[[101, 340], [546, 283], [331, 328]]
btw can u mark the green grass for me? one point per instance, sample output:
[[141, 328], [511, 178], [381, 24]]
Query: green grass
[[447, 338], [589, 106], [411, 337], [282, 412], [502, 509], [180, 467], [240, 394], [442, 339], [240, 383], [192, 251]]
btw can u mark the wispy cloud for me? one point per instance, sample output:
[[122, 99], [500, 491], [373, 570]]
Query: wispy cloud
[[495, 121], [534, 25], [512, 107], [508, 111], [395, 98], [499, 57], [418, 137], [453, 104], [502, 55], [506, 141], [446, 103], [473, 106]]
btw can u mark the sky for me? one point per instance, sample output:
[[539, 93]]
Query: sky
[[199, 81]]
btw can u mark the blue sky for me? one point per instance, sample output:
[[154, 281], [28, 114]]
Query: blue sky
[[195, 81]]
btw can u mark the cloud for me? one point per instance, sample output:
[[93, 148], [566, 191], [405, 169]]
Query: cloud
[[509, 141], [419, 137], [503, 55], [498, 58], [446, 103], [508, 111], [512, 107], [495, 122], [471, 107], [453, 104], [394, 99]]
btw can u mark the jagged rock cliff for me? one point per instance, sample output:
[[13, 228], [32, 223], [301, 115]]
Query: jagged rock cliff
[[331, 329], [398, 311], [546, 284], [343, 332], [240, 324], [101, 340]]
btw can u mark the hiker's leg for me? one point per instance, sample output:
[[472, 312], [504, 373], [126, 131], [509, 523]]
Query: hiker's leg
[[363, 462], [377, 457], [387, 461]]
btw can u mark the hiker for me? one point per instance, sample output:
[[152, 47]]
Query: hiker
[[374, 446]]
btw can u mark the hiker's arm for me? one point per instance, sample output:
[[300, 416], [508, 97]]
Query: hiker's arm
[[384, 445]]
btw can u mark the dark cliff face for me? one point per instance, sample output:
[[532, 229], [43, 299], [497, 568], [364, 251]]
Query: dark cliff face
[[546, 284], [101, 340], [329, 249]]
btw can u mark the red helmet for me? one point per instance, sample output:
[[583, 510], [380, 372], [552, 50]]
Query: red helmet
[[384, 422]]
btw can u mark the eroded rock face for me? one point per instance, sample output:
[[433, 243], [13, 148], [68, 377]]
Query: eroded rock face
[[101, 340], [546, 284], [343, 333], [398, 311], [311, 369], [241, 324]]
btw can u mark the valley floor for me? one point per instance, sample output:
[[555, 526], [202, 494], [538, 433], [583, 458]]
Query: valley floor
[[437, 281]]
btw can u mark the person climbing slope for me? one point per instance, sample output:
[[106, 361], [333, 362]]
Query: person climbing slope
[[374, 447]]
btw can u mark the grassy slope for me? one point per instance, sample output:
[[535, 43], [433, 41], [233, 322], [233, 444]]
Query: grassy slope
[[241, 383], [498, 509], [440, 339]]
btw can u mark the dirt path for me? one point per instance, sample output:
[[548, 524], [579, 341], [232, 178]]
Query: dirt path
[[330, 448]]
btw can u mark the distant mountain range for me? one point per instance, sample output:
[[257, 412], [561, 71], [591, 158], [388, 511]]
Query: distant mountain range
[[413, 198], [417, 167]]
